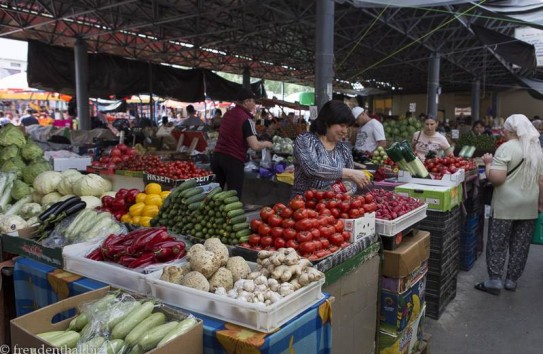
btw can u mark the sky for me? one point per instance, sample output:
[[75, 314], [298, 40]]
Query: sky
[[12, 49]]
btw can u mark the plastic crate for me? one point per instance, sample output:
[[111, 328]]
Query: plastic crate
[[435, 306], [467, 257], [442, 217], [444, 269], [467, 263], [439, 286], [439, 225], [393, 227], [441, 243], [471, 223], [255, 316]]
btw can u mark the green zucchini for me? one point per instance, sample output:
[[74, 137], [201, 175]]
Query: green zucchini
[[235, 212], [121, 330], [241, 226], [155, 335], [69, 340], [47, 336], [114, 346], [156, 319], [238, 219], [233, 206], [189, 183], [182, 328], [93, 345], [119, 313]]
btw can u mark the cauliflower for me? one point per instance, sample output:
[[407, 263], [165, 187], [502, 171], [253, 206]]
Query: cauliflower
[[47, 182], [10, 223]]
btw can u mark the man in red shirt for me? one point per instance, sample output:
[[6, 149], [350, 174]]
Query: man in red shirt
[[236, 134]]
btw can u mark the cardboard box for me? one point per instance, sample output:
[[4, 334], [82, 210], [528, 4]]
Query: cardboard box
[[25, 328], [398, 310], [438, 198], [29, 248], [354, 309], [400, 285], [79, 163], [447, 180], [168, 183], [405, 342], [409, 256], [361, 227]]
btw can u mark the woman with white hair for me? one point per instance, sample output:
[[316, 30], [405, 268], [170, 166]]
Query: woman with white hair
[[516, 173]]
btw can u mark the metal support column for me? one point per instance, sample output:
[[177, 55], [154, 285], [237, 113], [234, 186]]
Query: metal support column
[[475, 100], [151, 104], [247, 78], [82, 83], [433, 84], [324, 60]]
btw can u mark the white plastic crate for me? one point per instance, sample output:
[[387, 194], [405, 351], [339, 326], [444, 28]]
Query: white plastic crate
[[362, 227], [107, 272], [393, 227], [258, 317], [447, 179]]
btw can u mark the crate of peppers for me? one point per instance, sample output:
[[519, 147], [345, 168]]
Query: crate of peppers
[[122, 259]]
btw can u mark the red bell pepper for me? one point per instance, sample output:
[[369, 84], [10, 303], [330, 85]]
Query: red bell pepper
[[143, 260], [95, 255], [113, 252], [160, 238], [126, 260], [155, 236], [167, 251]]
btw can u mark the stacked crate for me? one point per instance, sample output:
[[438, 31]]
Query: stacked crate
[[444, 228], [468, 242]]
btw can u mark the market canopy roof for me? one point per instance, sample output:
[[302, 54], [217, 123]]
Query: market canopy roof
[[377, 43]]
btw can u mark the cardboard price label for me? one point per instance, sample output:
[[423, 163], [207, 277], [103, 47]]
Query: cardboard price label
[[168, 183]]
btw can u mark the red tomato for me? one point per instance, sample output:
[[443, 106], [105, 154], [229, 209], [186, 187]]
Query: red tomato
[[255, 224], [310, 204], [265, 213], [266, 241], [279, 242], [307, 247], [368, 198], [335, 213], [325, 243], [327, 231], [338, 226], [344, 206], [278, 208], [286, 213], [336, 239], [254, 240], [264, 230], [312, 213], [331, 204], [329, 194], [287, 223], [276, 232], [309, 195], [343, 216], [303, 225], [354, 213], [300, 214], [318, 245], [319, 195], [316, 233], [293, 244], [289, 234], [297, 203], [346, 236], [274, 220], [323, 220], [320, 206], [304, 236]]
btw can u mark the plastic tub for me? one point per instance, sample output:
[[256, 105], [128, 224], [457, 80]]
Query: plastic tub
[[393, 227]]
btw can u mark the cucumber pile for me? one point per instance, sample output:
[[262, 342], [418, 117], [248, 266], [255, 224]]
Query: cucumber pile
[[189, 211]]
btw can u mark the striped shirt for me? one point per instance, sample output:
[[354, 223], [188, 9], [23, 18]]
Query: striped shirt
[[316, 167]]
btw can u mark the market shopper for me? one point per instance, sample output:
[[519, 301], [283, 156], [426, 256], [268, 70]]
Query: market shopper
[[478, 128], [236, 134], [516, 171], [428, 140], [321, 158], [192, 119], [216, 119], [370, 133]]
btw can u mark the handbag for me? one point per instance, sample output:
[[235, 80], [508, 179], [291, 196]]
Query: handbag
[[488, 188], [537, 238]]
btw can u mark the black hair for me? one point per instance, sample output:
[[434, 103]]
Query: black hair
[[478, 122], [164, 120], [333, 112], [217, 110], [190, 109]]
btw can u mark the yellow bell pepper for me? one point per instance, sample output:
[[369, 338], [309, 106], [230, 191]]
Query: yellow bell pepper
[[164, 194], [150, 210], [153, 188], [145, 221], [153, 199], [136, 209], [126, 219], [136, 220], [140, 198]]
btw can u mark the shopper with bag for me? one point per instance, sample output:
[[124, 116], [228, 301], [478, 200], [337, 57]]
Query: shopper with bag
[[321, 157], [516, 171], [236, 134], [428, 140]]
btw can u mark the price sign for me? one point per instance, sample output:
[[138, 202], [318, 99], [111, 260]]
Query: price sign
[[413, 107]]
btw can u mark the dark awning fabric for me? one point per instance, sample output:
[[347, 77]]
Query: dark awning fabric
[[535, 87], [52, 69], [509, 48], [106, 106]]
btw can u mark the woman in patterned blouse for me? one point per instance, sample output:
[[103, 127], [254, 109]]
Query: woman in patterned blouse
[[321, 158]]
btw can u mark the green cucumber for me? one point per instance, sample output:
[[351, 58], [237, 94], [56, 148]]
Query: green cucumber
[[235, 212], [135, 316], [190, 192], [114, 346], [213, 192], [195, 206], [182, 328], [227, 194], [91, 346], [194, 198], [243, 233], [47, 336], [119, 312], [189, 183], [241, 226], [156, 319], [68, 340], [238, 219], [231, 200], [233, 206], [155, 335]]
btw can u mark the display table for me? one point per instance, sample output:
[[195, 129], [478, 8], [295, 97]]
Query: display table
[[38, 285]]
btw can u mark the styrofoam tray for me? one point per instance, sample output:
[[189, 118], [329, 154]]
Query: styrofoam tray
[[107, 272], [258, 317], [393, 227]]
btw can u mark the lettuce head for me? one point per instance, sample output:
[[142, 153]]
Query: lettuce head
[[12, 135]]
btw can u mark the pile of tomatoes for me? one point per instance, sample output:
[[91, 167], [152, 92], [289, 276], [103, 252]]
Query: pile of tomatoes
[[440, 166], [139, 163], [311, 224], [178, 170]]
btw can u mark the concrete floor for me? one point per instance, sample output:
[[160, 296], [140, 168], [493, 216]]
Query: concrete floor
[[480, 323]]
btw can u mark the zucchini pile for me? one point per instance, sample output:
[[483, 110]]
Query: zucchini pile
[[117, 323], [189, 211]]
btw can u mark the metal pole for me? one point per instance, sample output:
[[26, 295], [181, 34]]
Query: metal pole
[[433, 84], [324, 59], [475, 100], [247, 78], [151, 110], [82, 83]]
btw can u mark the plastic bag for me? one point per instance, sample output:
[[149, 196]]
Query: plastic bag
[[537, 238], [266, 161]]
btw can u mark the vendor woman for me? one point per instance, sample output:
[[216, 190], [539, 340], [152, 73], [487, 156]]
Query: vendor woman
[[321, 157], [429, 140], [236, 134]]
